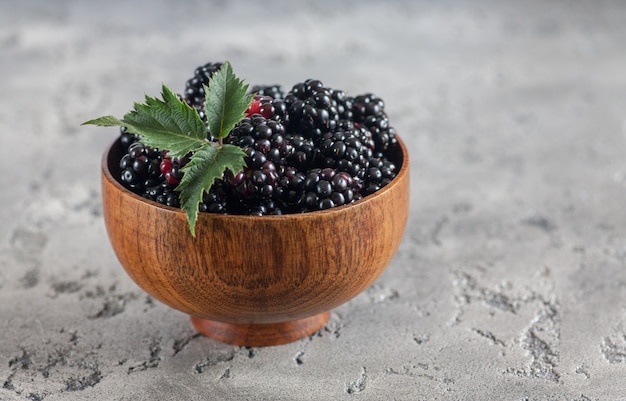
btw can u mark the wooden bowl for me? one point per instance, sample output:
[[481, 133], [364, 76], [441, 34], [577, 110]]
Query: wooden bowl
[[250, 280]]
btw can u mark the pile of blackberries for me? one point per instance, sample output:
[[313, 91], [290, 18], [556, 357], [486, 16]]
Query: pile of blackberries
[[311, 148]]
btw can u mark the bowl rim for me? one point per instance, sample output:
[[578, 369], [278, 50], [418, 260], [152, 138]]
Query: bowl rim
[[404, 171]]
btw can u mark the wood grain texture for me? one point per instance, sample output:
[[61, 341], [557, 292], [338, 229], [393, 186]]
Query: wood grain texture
[[249, 270]]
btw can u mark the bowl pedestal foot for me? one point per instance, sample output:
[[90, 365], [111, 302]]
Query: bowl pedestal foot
[[260, 335]]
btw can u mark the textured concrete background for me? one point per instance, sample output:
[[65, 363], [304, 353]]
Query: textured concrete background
[[510, 283]]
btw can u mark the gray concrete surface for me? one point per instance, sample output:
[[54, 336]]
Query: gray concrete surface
[[510, 283]]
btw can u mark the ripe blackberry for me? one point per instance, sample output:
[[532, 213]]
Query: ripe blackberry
[[252, 190], [275, 109], [216, 200], [367, 105], [163, 193], [194, 92], [379, 173], [289, 189], [265, 146], [148, 172], [171, 175], [343, 104], [304, 154], [273, 91], [344, 151], [264, 207], [312, 109], [127, 138], [140, 168], [327, 188], [261, 135], [369, 110]]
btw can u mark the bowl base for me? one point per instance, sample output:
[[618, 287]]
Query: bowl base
[[260, 335]]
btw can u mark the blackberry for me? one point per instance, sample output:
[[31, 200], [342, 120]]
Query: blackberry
[[369, 110], [379, 173], [127, 138], [194, 92], [262, 135], [216, 200], [264, 207], [268, 107], [273, 91], [256, 181], [344, 151], [164, 194], [326, 188], [304, 154], [290, 189], [140, 168], [343, 104], [148, 172], [265, 146], [275, 109], [312, 109], [253, 189], [367, 105], [171, 175]]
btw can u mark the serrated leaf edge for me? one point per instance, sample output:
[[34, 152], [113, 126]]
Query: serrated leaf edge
[[190, 197], [225, 89]]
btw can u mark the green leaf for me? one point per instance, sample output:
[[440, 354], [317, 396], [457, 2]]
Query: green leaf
[[165, 124], [226, 101], [171, 124], [106, 121], [208, 163]]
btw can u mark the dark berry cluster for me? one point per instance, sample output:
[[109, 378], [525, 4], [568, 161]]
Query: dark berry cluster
[[311, 148], [194, 89], [148, 171]]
